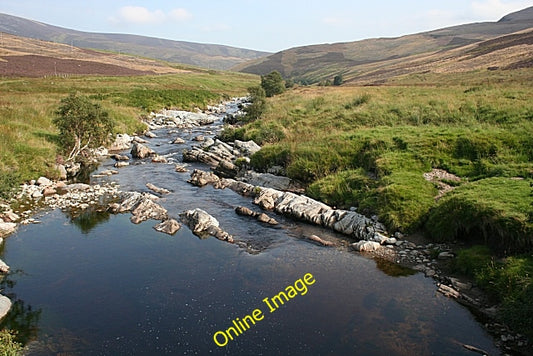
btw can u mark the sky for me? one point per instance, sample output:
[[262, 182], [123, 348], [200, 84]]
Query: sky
[[265, 25]]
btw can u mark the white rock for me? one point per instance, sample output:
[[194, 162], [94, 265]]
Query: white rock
[[169, 226], [366, 246], [43, 181], [5, 306], [4, 268], [199, 220]]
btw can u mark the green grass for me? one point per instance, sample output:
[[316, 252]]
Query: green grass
[[333, 139], [507, 281], [28, 142]]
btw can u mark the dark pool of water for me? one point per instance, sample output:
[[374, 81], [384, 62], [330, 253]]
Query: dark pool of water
[[104, 286]]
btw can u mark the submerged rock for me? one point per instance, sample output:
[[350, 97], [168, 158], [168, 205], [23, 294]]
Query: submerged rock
[[320, 240], [157, 189], [261, 217]]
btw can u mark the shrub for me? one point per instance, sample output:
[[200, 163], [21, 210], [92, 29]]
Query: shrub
[[82, 124], [8, 345], [258, 105], [273, 83]]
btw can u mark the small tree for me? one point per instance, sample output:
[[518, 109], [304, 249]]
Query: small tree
[[273, 84], [258, 99], [337, 80], [82, 124]]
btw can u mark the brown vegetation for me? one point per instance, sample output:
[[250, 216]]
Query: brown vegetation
[[20, 56]]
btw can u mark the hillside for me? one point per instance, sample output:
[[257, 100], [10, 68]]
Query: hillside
[[370, 61], [197, 54], [21, 56]]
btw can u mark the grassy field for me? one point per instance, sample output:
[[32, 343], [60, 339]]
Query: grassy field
[[370, 146], [27, 106]]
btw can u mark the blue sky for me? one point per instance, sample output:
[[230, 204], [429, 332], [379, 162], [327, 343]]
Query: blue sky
[[269, 25]]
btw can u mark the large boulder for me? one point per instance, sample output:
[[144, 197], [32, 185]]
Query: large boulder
[[148, 209], [198, 220], [201, 223], [141, 151], [201, 178]]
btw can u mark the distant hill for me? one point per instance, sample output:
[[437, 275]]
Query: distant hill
[[377, 60], [22, 56], [203, 55]]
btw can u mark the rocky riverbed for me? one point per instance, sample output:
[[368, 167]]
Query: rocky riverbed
[[273, 195]]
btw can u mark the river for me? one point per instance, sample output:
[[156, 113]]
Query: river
[[99, 285]]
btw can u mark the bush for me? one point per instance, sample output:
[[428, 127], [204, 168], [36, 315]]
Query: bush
[[8, 345], [258, 105], [273, 83], [82, 124]]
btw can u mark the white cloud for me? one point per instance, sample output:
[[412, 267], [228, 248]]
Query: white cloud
[[139, 15], [495, 9], [180, 14]]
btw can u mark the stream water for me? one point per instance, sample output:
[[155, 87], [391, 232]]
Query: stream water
[[99, 285]]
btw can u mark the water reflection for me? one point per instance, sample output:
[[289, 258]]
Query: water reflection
[[87, 220], [22, 317], [393, 269]]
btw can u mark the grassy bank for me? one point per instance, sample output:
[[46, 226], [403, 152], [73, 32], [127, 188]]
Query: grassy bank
[[369, 147], [28, 143]]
